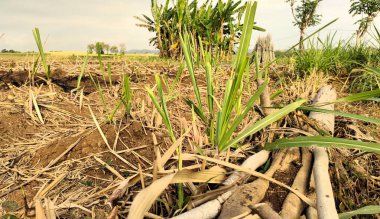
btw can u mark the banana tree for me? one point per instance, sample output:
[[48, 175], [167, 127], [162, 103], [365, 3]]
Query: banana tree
[[217, 26]]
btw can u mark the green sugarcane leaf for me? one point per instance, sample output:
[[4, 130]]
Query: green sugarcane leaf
[[164, 116], [227, 135], [264, 122], [259, 28], [367, 210], [82, 71], [210, 89], [37, 38], [127, 94], [276, 94], [177, 77], [374, 99], [359, 96], [373, 70], [324, 142], [185, 43], [191, 104], [348, 115]]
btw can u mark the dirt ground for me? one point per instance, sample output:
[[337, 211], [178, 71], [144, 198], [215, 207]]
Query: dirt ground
[[59, 138]]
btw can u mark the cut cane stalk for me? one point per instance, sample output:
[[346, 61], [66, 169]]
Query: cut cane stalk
[[251, 193], [325, 196], [265, 211], [293, 206]]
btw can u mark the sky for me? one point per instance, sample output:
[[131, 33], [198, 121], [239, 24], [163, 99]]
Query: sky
[[70, 25]]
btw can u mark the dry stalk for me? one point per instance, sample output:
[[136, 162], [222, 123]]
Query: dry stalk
[[293, 206], [251, 193], [265, 211], [325, 196], [52, 163]]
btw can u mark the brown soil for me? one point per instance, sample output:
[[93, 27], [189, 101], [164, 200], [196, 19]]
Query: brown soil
[[59, 77], [276, 194], [93, 144], [14, 125], [27, 146]]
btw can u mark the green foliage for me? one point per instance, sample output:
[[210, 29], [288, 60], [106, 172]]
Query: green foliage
[[333, 57], [114, 49], [304, 15], [9, 216], [125, 99], [109, 73], [126, 94], [9, 51], [82, 71], [368, 10], [362, 55], [324, 142], [368, 79], [348, 115], [216, 25], [10, 206], [321, 56], [98, 88], [104, 48], [177, 77], [265, 122], [37, 38], [160, 105], [99, 51], [376, 37], [367, 210], [87, 183], [90, 48], [223, 124], [359, 96]]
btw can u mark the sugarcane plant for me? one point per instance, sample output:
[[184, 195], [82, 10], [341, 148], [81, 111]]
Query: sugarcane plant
[[125, 99], [223, 124], [42, 55], [160, 104], [223, 117], [82, 71]]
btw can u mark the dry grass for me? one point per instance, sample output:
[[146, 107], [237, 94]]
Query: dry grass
[[54, 156]]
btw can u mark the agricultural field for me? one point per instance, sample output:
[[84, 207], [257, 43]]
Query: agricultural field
[[204, 133]]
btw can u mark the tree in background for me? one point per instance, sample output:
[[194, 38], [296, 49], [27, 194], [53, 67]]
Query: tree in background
[[8, 51], [122, 48], [114, 49], [368, 9], [214, 26], [106, 48], [99, 47], [304, 14], [90, 48]]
